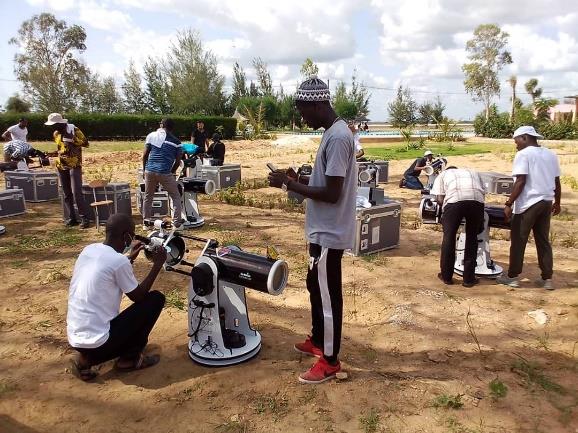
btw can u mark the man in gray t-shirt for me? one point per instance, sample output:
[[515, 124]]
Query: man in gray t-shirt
[[329, 224]]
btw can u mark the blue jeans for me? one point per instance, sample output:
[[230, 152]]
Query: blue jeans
[[412, 182]]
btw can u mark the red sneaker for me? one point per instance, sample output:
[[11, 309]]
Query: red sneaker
[[320, 372], [308, 348]]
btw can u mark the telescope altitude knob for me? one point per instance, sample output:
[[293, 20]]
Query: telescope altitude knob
[[202, 277]]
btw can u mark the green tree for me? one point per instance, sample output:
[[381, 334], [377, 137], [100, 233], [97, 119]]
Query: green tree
[[109, 99], [513, 81], [15, 104], [487, 55], [253, 90], [263, 77], [46, 62], [239, 84], [134, 96], [309, 69], [542, 106], [359, 95], [403, 110], [424, 111], [156, 88], [437, 110], [532, 88], [195, 83]]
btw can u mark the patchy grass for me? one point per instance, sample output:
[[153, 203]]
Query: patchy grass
[[396, 151], [64, 237], [96, 146], [571, 181], [447, 401], [274, 404], [175, 299], [569, 241], [498, 389], [6, 387], [533, 375], [370, 421]]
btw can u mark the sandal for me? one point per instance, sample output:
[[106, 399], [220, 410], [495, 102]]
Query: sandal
[[84, 374], [143, 361]]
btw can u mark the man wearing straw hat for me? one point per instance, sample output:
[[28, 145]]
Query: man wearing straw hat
[[69, 141]]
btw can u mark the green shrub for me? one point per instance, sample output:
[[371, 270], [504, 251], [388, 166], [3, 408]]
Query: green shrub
[[497, 126], [557, 130], [119, 126]]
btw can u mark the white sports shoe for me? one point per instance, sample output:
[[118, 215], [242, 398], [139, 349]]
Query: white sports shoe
[[507, 281], [546, 284]]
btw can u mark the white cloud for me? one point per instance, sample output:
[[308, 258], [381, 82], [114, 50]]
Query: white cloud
[[228, 49], [103, 18], [57, 5], [280, 32]]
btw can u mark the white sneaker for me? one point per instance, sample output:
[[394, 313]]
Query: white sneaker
[[507, 281], [546, 284]]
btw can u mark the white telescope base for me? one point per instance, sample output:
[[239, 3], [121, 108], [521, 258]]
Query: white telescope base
[[227, 357], [485, 266]]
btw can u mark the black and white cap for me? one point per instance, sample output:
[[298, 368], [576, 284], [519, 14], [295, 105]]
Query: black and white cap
[[312, 90]]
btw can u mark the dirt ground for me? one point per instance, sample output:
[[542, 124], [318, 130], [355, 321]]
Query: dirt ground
[[420, 355]]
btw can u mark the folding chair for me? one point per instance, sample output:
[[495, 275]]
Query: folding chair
[[96, 204]]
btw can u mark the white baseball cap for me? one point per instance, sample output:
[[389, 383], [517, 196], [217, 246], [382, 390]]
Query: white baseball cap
[[427, 152], [523, 130], [55, 118]]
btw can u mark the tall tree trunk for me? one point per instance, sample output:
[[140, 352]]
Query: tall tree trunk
[[513, 109]]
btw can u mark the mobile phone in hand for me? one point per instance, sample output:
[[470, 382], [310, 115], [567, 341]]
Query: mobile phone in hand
[[271, 167]]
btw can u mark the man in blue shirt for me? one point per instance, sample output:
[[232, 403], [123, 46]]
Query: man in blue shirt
[[161, 158]]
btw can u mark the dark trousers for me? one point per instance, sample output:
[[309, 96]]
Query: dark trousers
[[71, 183], [453, 213], [412, 182], [325, 295], [129, 331], [535, 219]]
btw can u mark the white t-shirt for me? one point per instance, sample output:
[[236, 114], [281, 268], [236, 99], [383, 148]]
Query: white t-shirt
[[100, 277], [18, 133], [459, 184], [540, 165]]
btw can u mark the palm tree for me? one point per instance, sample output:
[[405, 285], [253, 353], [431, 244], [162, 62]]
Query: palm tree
[[513, 80], [533, 90]]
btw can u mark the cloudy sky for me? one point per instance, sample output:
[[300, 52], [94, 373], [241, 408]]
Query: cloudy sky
[[417, 43]]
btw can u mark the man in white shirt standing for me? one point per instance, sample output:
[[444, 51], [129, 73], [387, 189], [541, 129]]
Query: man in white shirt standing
[[102, 274], [18, 131], [461, 192], [535, 198]]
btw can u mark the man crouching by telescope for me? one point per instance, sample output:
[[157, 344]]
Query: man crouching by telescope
[[329, 224], [101, 275]]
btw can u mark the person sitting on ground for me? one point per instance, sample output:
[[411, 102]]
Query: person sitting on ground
[[216, 150], [359, 152], [410, 179], [161, 159], [18, 131], [102, 274]]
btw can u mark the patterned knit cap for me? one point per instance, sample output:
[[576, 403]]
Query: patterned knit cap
[[313, 90]]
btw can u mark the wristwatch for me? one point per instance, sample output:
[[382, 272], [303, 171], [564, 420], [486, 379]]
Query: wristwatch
[[508, 203], [285, 185]]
